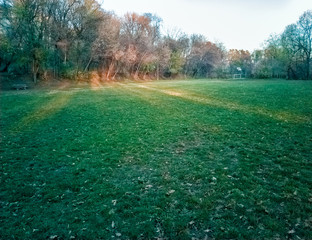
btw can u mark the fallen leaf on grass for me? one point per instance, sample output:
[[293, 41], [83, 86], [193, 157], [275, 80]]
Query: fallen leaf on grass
[[170, 192]]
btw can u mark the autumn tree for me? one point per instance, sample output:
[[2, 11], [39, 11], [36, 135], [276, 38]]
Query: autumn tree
[[178, 45], [106, 49], [136, 37], [69, 38], [40, 35], [204, 57], [239, 62], [86, 22]]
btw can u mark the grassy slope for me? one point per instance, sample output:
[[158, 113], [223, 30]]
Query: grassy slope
[[172, 159]]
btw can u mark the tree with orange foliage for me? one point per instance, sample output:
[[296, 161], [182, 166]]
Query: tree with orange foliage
[[239, 62], [203, 58]]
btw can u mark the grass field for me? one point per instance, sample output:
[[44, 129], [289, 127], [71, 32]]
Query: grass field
[[195, 159]]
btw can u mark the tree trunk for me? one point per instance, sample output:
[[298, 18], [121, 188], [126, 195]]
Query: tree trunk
[[308, 68], [88, 65], [6, 67], [65, 56], [115, 74], [110, 69], [35, 71], [157, 71]]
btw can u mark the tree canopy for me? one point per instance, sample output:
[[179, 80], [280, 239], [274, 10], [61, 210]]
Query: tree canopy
[[71, 38]]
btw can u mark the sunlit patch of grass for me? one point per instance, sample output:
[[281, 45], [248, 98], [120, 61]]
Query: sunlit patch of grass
[[48, 109], [172, 93], [231, 105], [129, 162], [291, 117]]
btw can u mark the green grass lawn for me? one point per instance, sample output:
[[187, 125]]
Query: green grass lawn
[[196, 159]]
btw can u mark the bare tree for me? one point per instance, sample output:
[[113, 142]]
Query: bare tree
[[137, 37], [106, 49]]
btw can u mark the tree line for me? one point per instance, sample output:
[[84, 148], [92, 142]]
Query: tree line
[[74, 39]]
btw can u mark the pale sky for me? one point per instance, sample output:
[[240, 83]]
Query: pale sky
[[241, 24]]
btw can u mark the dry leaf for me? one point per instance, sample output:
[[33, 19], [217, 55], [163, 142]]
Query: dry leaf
[[170, 192]]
